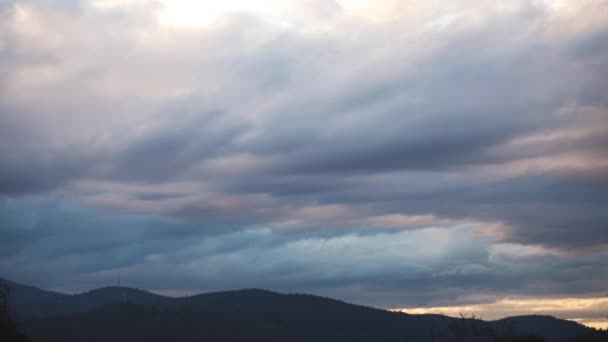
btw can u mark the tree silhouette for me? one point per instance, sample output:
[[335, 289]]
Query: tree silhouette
[[8, 328]]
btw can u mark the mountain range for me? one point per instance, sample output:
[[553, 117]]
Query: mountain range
[[128, 314]]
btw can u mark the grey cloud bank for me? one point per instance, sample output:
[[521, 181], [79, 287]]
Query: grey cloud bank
[[412, 155]]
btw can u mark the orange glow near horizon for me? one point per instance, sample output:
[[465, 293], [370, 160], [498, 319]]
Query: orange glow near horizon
[[592, 312]]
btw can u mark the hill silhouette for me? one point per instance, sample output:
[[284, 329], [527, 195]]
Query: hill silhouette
[[252, 314], [552, 329], [21, 294], [87, 301]]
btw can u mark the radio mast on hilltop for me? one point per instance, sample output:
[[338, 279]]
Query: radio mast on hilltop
[[122, 291]]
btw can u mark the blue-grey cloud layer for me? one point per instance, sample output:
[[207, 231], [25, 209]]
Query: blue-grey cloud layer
[[433, 160]]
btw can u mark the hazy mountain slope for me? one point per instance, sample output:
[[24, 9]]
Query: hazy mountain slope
[[136, 323], [103, 315], [550, 327], [88, 301], [21, 294], [131, 322], [302, 313], [255, 301]]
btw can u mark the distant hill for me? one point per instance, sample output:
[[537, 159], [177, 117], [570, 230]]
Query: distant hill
[[21, 294], [87, 301], [287, 306], [125, 314], [547, 326]]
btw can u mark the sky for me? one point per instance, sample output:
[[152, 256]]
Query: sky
[[420, 155]]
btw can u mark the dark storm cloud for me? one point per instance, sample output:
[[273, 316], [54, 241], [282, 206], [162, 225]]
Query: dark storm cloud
[[561, 211], [322, 156], [27, 165], [163, 155], [36, 175], [591, 45]]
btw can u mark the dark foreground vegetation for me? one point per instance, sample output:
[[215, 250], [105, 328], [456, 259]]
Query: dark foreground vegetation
[[121, 314], [8, 327]]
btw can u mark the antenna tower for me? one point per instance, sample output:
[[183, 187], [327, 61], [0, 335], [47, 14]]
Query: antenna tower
[[122, 291]]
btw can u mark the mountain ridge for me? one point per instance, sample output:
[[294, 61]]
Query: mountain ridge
[[20, 293], [257, 312]]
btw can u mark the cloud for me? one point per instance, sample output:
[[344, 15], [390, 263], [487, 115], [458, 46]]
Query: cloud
[[51, 245], [268, 135]]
